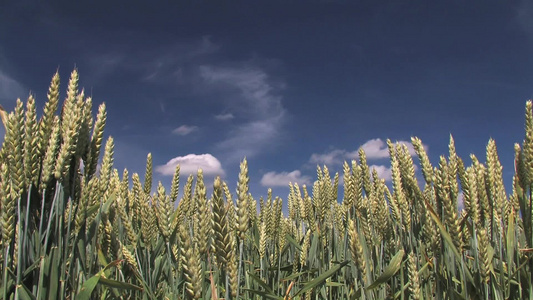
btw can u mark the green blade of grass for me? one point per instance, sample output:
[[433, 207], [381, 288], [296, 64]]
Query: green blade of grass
[[389, 271], [320, 279]]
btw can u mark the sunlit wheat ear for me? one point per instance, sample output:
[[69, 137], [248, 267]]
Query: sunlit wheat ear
[[349, 186], [305, 247], [412, 267], [8, 207], [84, 138], [528, 142], [242, 200], [202, 232], [129, 258], [520, 168], [269, 215], [50, 108], [16, 246], [70, 125], [252, 210], [496, 186], [164, 211], [220, 225], [191, 264], [365, 171], [262, 240], [340, 216], [450, 210], [174, 188], [3, 116], [483, 252], [453, 167], [148, 174], [126, 222], [15, 136], [107, 164], [96, 141], [31, 143], [232, 269], [427, 169], [407, 178], [50, 155], [483, 197], [283, 230], [398, 198], [356, 249]]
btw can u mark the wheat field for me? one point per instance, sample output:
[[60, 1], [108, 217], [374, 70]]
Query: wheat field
[[72, 230]]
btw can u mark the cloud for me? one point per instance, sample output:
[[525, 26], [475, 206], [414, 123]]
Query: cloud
[[252, 96], [190, 163], [524, 16], [377, 148], [460, 201], [184, 130], [271, 179], [374, 149], [224, 117], [10, 89], [383, 172], [334, 157]]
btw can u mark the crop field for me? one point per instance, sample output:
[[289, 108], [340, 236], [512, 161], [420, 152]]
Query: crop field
[[74, 227]]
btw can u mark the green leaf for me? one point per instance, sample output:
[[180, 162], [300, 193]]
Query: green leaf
[[24, 293], [263, 294], [320, 279], [292, 241], [88, 287], [389, 271], [449, 242], [119, 284], [260, 282]]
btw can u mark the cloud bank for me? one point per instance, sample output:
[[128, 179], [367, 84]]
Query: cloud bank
[[374, 149], [271, 179], [251, 98], [10, 89], [185, 130], [190, 163]]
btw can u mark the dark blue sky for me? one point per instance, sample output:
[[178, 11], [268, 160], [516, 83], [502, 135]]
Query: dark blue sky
[[288, 84]]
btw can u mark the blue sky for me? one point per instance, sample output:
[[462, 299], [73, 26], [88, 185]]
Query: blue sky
[[288, 84]]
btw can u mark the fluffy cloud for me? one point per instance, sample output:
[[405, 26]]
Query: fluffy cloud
[[190, 163], [377, 148], [252, 96], [271, 179], [224, 117], [334, 157], [184, 130], [524, 16], [10, 89], [383, 172], [374, 149]]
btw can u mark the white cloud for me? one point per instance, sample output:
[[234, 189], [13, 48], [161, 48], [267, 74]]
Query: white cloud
[[460, 201], [374, 149], [271, 179], [377, 148], [383, 172], [224, 117], [184, 130], [524, 16], [10, 89], [334, 157], [190, 163], [252, 96]]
